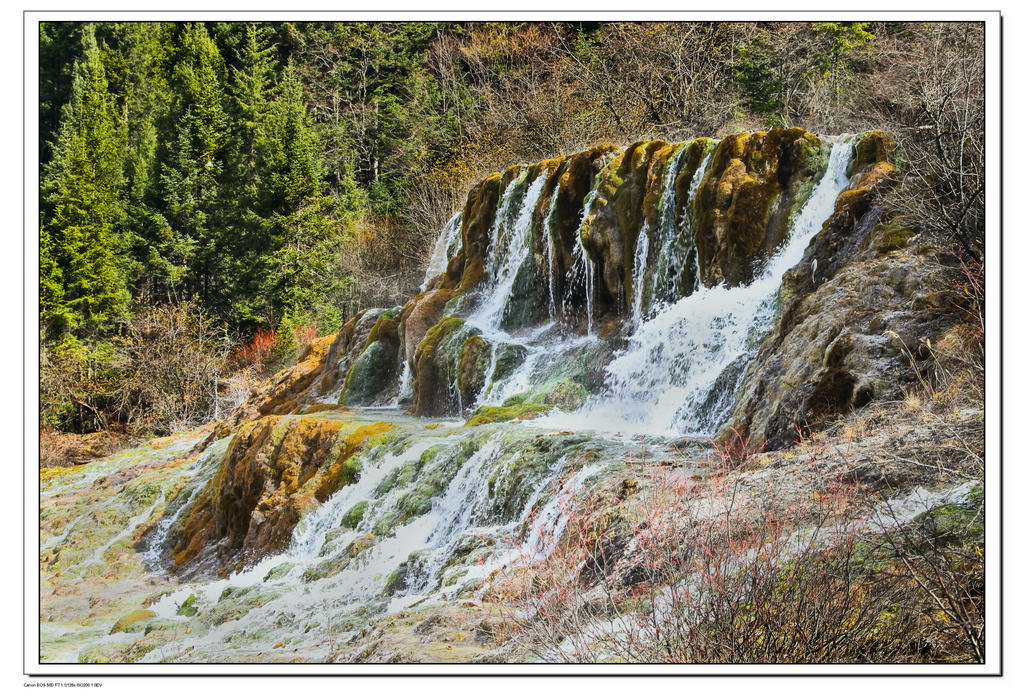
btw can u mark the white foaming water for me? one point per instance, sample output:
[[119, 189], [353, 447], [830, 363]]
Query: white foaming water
[[197, 474], [549, 523], [426, 544], [404, 384], [450, 236], [509, 248], [309, 535], [643, 244], [549, 231], [669, 248], [466, 492], [664, 382], [582, 264]]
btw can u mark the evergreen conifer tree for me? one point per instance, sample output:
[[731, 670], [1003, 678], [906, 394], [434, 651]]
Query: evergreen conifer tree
[[191, 174], [81, 287]]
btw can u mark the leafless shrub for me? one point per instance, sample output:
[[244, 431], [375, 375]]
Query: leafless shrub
[[173, 356], [712, 571], [938, 116]]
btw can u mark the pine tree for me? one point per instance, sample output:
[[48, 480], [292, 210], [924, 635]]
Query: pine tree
[[191, 173], [305, 230], [138, 53], [251, 203], [81, 288]]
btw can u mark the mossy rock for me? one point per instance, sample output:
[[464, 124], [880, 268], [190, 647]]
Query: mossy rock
[[621, 205], [354, 515], [398, 580], [418, 502], [436, 368], [188, 607], [125, 623], [516, 399], [233, 593], [509, 358], [956, 522], [372, 373], [325, 569], [348, 465], [386, 524], [238, 605], [893, 235], [744, 207], [474, 361], [278, 571], [872, 147], [522, 308], [361, 544], [477, 220], [500, 414], [567, 395]]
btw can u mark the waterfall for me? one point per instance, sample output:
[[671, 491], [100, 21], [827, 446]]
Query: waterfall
[[446, 246], [643, 243], [670, 263], [510, 246], [549, 231], [582, 264], [680, 367], [404, 384]]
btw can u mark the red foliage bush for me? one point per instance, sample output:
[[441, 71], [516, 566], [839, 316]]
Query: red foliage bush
[[257, 352]]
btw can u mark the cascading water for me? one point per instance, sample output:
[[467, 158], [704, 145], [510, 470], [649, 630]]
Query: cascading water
[[643, 244], [671, 263], [667, 380], [447, 245], [318, 574], [549, 232], [509, 248], [582, 265]]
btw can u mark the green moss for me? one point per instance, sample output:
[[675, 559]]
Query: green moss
[[430, 454], [893, 235], [400, 477], [959, 523], [354, 516], [125, 623], [370, 374], [233, 592], [418, 502], [474, 359], [567, 395], [500, 414], [385, 524], [516, 399], [403, 476], [278, 571], [188, 607], [238, 605], [350, 471], [869, 148], [396, 581], [144, 494], [380, 325], [325, 569], [437, 366], [509, 357]]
